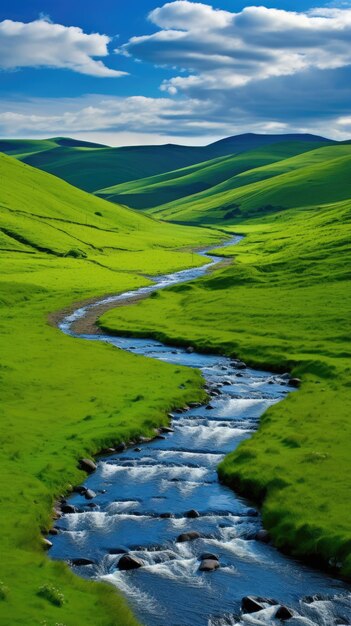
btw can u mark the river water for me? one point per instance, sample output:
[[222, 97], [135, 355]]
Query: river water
[[143, 497]]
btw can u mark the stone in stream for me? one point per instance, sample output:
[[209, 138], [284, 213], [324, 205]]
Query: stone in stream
[[79, 489], [128, 562], [166, 429], [121, 447], [87, 465], [137, 449], [89, 494], [108, 451], [53, 531], [47, 543], [188, 536], [81, 562], [263, 536], [209, 565], [192, 514], [251, 604], [68, 508], [284, 613], [209, 556], [189, 349], [295, 382], [241, 365], [166, 515]]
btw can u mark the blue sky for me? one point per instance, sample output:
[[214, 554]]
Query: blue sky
[[142, 71]]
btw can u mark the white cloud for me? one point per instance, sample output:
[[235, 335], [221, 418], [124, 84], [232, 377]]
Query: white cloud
[[44, 44], [141, 120], [225, 50]]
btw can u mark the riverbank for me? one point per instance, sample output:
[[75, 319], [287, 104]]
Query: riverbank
[[283, 305]]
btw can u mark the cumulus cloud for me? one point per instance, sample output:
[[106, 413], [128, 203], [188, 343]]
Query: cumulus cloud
[[44, 44], [226, 50], [139, 119]]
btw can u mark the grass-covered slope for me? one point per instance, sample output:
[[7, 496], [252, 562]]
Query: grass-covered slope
[[284, 303], [201, 177], [317, 176], [93, 167], [63, 398]]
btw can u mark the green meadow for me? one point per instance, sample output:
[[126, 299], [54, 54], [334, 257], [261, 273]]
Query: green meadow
[[202, 179], [63, 399], [284, 305], [313, 177]]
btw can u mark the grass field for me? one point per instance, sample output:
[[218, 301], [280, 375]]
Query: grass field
[[64, 398], [283, 304], [314, 177], [204, 178]]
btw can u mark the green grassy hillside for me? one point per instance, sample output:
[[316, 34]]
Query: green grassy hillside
[[92, 167], [283, 304], [201, 178], [63, 398], [317, 176]]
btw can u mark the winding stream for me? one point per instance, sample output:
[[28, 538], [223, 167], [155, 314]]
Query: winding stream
[[143, 497]]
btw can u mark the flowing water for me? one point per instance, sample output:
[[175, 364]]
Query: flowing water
[[144, 496]]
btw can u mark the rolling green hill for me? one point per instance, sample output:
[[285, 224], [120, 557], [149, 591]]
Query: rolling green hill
[[62, 398], [201, 178], [314, 177], [92, 168]]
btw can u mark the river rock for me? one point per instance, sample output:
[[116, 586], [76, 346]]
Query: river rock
[[284, 613], [47, 543], [285, 376], [53, 531], [108, 451], [137, 449], [68, 508], [145, 439], [192, 514], [128, 562], [295, 382], [189, 349], [188, 536], [166, 515], [79, 489], [209, 556], [167, 429], [263, 536], [87, 465], [251, 604], [89, 494], [121, 447], [82, 562], [240, 365], [209, 565]]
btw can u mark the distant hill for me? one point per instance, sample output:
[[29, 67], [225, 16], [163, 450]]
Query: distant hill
[[310, 179], [93, 167], [202, 177]]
